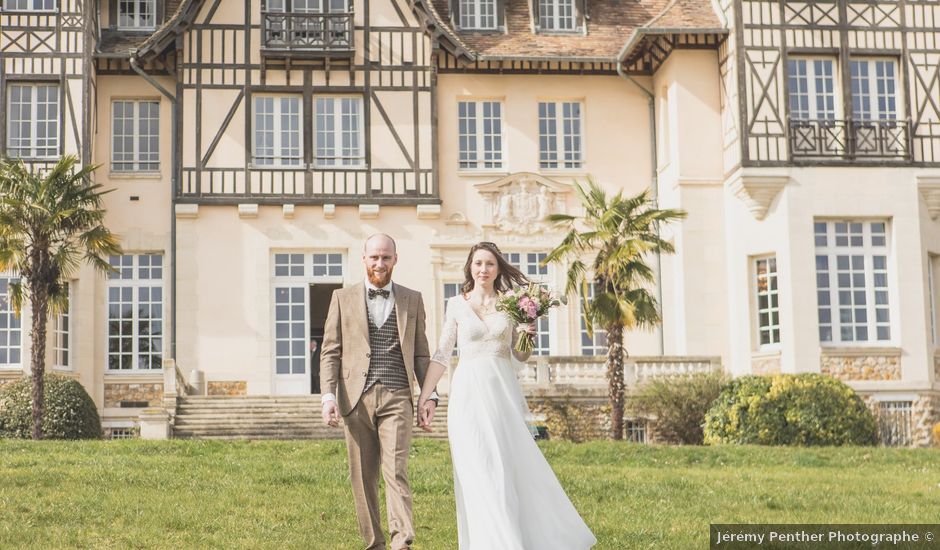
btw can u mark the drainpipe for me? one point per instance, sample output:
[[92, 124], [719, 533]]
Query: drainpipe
[[173, 161], [654, 187]]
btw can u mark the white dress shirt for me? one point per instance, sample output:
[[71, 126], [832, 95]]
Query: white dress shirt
[[380, 308]]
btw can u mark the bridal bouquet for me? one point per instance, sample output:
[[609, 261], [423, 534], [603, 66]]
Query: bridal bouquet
[[525, 305]]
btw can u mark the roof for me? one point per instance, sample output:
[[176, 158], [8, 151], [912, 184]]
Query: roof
[[115, 43], [609, 24]]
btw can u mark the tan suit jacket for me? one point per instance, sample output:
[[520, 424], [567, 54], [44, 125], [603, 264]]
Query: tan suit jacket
[[345, 353]]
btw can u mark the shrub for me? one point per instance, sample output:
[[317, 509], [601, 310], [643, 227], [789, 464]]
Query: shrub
[[936, 434], [70, 412], [679, 404], [790, 409]]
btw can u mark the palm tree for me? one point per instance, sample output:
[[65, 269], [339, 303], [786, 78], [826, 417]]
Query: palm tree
[[49, 222], [608, 248]]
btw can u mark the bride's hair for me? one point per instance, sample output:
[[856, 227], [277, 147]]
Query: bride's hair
[[508, 275]]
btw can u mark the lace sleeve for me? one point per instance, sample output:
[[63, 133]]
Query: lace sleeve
[[447, 339]]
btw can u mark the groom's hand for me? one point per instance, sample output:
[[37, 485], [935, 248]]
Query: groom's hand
[[331, 413], [426, 414]]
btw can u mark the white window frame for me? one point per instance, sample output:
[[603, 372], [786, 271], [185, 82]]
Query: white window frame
[[136, 162], [29, 5], [132, 20], [771, 276], [313, 6], [477, 148], [477, 14], [528, 263], [282, 155], [63, 337], [932, 295], [339, 158], [853, 259], [551, 18], [135, 282], [598, 345], [812, 81], [11, 327], [874, 112], [560, 147], [51, 125]]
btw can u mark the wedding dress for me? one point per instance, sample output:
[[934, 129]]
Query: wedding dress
[[508, 497]]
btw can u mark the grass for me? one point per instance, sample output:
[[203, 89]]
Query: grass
[[206, 494]]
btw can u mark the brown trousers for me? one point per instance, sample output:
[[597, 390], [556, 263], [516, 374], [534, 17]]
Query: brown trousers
[[378, 433]]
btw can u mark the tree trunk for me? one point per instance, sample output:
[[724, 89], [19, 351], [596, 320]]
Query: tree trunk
[[39, 301], [615, 380]]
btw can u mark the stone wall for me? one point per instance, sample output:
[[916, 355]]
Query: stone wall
[[235, 387], [583, 416], [765, 364], [926, 413], [861, 367], [114, 393]]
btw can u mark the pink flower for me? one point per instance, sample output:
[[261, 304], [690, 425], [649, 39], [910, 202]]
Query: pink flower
[[530, 308]]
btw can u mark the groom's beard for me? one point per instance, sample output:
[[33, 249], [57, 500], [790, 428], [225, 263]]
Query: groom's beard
[[379, 279]]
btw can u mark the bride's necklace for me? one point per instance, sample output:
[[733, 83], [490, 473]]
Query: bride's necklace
[[487, 305]]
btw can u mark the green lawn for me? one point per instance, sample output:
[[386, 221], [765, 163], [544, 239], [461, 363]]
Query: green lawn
[[186, 494]]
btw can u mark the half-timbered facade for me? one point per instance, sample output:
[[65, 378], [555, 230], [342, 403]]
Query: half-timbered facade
[[254, 144]]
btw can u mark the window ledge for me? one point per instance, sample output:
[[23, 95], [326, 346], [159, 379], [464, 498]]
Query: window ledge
[[766, 353], [577, 172], [53, 11], [859, 351], [482, 173], [155, 375], [132, 175]]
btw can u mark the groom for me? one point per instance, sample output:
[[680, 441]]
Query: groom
[[374, 345]]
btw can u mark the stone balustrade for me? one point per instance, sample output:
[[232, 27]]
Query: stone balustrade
[[547, 372]]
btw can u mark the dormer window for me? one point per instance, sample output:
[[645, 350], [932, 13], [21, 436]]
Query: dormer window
[[556, 15], [477, 14], [137, 14]]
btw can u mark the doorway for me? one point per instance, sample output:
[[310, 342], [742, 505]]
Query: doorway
[[320, 296]]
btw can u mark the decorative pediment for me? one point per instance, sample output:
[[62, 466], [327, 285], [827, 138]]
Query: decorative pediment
[[521, 202], [929, 187], [758, 191]]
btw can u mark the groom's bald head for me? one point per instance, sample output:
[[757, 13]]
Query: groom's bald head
[[379, 256], [379, 238]]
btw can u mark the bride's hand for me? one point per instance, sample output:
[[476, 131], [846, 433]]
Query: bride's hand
[[425, 414]]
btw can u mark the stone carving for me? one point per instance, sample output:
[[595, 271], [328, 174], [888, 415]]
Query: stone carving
[[520, 203]]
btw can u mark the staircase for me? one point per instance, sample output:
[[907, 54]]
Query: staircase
[[267, 417]]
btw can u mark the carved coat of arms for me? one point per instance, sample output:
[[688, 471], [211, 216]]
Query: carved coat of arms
[[521, 203]]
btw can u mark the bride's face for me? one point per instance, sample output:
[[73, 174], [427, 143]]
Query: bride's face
[[483, 268]]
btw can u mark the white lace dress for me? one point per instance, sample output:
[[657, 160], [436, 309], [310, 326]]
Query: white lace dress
[[508, 497]]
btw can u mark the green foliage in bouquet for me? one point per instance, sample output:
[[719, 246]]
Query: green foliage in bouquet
[[70, 412], [790, 409]]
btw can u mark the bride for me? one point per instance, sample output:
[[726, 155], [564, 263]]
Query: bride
[[507, 496]]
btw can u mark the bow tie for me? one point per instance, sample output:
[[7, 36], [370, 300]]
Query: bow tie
[[373, 292]]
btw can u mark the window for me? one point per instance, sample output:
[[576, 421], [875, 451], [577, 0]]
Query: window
[[137, 14], [894, 423], [277, 135], [290, 331], [308, 6], [529, 263], [62, 337], [477, 14], [10, 328], [560, 150], [135, 312], [874, 89], [812, 89], [636, 430], [33, 120], [932, 296], [480, 128], [339, 131], [768, 307], [852, 281], [288, 265], [598, 344], [556, 15], [327, 265], [135, 136], [451, 290], [29, 5]]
